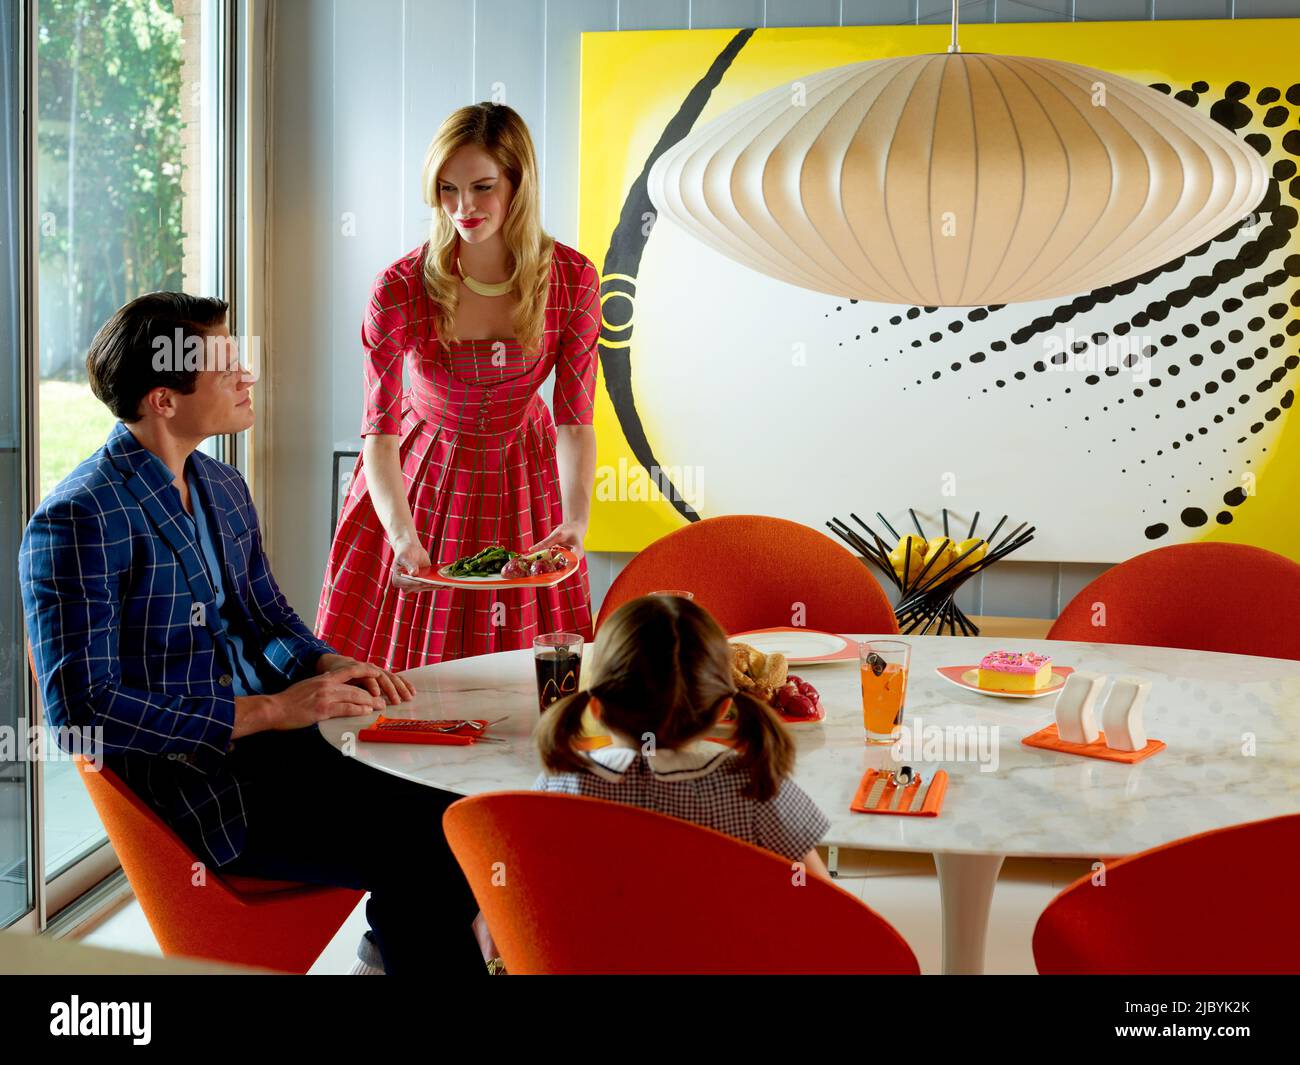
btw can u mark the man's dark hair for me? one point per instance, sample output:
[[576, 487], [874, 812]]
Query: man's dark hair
[[122, 362]]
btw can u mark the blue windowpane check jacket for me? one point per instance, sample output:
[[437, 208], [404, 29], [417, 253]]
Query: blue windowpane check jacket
[[120, 614]]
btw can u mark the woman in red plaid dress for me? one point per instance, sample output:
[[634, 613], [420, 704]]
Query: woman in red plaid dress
[[469, 455]]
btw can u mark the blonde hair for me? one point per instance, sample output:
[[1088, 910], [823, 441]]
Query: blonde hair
[[662, 665], [500, 132]]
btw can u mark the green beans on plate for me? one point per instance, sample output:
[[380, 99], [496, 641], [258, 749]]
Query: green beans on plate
[[498, 561], [486, 563]]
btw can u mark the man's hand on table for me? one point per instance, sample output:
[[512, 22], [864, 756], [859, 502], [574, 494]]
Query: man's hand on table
[[380, 682], [343, 687]]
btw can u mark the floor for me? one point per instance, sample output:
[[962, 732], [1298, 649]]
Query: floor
[[904, 890], [901, 887]]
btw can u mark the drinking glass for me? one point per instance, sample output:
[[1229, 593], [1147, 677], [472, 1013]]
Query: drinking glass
[[884, 686], [557, 657]]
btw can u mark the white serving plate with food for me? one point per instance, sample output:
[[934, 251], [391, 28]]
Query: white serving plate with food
[[439, 577]]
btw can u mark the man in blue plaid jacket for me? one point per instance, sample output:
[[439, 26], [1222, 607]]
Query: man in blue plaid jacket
[[155, 625]]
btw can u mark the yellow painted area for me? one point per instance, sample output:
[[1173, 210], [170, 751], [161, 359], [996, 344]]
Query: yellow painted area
[[633, 83], [1271, 517]]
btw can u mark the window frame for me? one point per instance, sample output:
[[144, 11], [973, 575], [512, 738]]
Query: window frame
[[34, 918]]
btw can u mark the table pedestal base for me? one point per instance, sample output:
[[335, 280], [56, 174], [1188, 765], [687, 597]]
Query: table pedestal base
[[966, 890]]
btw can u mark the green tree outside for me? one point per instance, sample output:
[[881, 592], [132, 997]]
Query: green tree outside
[[109, 189]]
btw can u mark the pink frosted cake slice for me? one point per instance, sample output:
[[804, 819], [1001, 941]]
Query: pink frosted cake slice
[[1015, 671]]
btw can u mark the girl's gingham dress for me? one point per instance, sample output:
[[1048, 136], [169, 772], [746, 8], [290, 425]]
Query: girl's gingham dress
[[703, 783], [478, 460]]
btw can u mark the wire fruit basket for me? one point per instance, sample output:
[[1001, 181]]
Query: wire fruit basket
[[929, 570]]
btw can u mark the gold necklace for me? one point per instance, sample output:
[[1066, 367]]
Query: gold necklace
[[482, 288]]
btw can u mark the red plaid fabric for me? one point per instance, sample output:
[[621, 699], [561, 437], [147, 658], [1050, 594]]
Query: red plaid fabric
[[478, 457]]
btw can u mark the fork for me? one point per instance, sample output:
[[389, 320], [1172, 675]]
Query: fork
[[480, 726], [470, 724], [475, 729]]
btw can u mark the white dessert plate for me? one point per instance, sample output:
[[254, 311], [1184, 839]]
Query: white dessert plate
[[967, 677]]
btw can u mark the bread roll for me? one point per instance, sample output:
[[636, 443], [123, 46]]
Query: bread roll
[[775, 672]]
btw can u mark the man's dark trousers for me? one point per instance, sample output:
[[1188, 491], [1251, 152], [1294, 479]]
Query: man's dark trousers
[[320, 817]]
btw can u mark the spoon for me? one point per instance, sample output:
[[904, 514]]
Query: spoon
[[904, 778]]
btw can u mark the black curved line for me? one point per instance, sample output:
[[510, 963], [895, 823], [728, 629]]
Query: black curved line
[[626, 245]]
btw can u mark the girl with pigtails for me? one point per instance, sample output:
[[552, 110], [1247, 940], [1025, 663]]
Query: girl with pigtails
[[660, 680]]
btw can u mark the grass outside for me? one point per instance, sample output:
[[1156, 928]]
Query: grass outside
[[73, 425]]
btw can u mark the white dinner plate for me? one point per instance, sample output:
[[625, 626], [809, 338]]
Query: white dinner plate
[[800, 646]]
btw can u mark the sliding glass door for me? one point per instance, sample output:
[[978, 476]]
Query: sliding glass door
[[115, 180], [131, 180], [17, 896]]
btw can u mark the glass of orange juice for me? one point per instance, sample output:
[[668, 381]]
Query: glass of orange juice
[[884, 685]]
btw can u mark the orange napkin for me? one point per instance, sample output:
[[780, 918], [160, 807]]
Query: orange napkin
[[929, 808], [1049, 739]]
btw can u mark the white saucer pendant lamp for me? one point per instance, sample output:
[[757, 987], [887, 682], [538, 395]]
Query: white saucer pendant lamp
[[958, 179]]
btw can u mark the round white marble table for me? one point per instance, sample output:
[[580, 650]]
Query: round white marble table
[[1231, 722]]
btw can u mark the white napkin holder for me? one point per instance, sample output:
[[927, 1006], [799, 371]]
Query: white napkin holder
[[1121, 718], [1075, 718]]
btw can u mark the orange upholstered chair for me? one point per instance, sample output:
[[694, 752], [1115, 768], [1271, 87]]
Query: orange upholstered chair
[[271, 924], [1203, 597], [578, 885], [1220, 902], [267, 923], [749, 571]]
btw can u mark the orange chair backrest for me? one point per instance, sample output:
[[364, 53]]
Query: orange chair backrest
[[1203, 597], [1220, 902], [154, 858], [578, 885], [754, 572]]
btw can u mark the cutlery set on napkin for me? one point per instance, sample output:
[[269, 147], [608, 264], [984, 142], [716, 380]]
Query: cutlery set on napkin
[[452, 732], [883, 792]]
